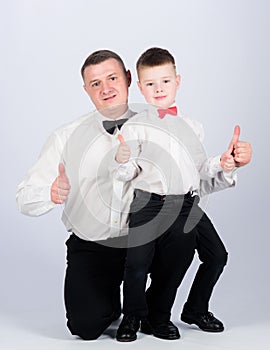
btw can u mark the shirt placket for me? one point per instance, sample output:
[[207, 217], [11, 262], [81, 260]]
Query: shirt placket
[[117, 195]]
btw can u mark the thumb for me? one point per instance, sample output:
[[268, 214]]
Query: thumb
[[120, 138], [62, 170], [235, 138]]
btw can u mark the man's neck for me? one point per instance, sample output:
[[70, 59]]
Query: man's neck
[[114, 112]]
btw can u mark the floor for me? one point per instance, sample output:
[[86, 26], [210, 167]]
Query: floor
[[46, 330]]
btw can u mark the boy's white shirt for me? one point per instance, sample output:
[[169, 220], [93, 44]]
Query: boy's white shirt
[[167, 156]]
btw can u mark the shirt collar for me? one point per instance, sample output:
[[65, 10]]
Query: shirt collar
[[100, 117], [154, 109]]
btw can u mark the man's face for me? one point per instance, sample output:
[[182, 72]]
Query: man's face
[[107, 86], [159, 84]]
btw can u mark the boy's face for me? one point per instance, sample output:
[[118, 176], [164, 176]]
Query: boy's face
[[159, 84]]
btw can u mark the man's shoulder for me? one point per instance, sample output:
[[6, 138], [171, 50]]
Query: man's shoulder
[[71, 126]]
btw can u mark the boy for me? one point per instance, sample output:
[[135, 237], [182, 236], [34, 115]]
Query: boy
[[166, 159]]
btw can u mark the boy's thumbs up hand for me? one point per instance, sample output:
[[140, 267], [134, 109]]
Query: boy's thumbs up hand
[[123, 151], [227, 160]]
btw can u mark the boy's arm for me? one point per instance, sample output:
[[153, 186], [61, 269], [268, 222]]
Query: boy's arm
[[222, 170], [221, 181], [211, 166]]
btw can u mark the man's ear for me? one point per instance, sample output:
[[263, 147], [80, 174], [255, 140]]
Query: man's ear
[[129, 79], [178, 81]]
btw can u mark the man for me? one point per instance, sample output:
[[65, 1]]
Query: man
[[94, 209], [74, 168]]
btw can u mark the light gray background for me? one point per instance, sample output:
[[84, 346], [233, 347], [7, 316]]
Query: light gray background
[[222, 53]]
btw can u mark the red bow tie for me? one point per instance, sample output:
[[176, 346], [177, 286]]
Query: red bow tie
[[163, 112]]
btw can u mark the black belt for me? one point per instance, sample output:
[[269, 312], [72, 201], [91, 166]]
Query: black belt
[[159, 197]]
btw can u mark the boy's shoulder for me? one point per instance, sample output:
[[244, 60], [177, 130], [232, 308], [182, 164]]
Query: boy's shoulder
[[148, 116], [190, 121], [139, 116]]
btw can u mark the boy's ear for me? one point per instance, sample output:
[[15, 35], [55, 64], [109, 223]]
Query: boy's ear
[[178, 80], [139, 86]]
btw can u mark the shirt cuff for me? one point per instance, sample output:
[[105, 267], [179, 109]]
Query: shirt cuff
[[216, 164], [231, 177]]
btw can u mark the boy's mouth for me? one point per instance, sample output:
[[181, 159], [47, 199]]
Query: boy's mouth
[[160, 97]]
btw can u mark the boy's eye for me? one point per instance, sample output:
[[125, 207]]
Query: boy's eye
[[112, 78], [166, 81], [149, 84]]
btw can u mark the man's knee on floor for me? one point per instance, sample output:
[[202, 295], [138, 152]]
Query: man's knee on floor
[[87, 329]]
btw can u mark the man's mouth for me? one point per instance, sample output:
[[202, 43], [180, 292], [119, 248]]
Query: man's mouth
[[109, 98]]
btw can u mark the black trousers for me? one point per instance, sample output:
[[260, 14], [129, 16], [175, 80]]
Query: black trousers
[[169, 232], [213, 257], [92, 286], [95, 271], [157, 243]]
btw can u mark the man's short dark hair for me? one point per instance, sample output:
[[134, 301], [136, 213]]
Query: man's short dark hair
[[101, 56]]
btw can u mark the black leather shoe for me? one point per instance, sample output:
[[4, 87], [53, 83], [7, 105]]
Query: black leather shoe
[[164, 330], [128, 328], [206, 321]]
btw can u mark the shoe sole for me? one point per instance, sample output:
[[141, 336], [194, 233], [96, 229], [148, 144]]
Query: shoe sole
[[158, 335], [126, 340], [190, 321]]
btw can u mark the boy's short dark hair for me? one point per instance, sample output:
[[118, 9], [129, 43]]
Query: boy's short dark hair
[[101, 56], [154, 56]]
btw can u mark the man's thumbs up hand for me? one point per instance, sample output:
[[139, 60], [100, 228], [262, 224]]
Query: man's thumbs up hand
[[60, 187]]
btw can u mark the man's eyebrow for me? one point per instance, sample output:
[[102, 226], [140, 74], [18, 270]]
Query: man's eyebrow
[[114, 73], [92, 81], [97, 79]]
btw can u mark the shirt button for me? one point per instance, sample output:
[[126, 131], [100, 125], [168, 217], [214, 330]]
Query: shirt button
[[115, 221]]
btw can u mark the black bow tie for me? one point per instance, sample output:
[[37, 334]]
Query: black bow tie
[[110, 125]]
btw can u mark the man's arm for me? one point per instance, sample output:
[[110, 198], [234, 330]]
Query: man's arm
[[60, 187], [34, 194]]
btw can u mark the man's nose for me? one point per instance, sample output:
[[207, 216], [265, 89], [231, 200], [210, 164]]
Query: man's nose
[[106, 87]]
